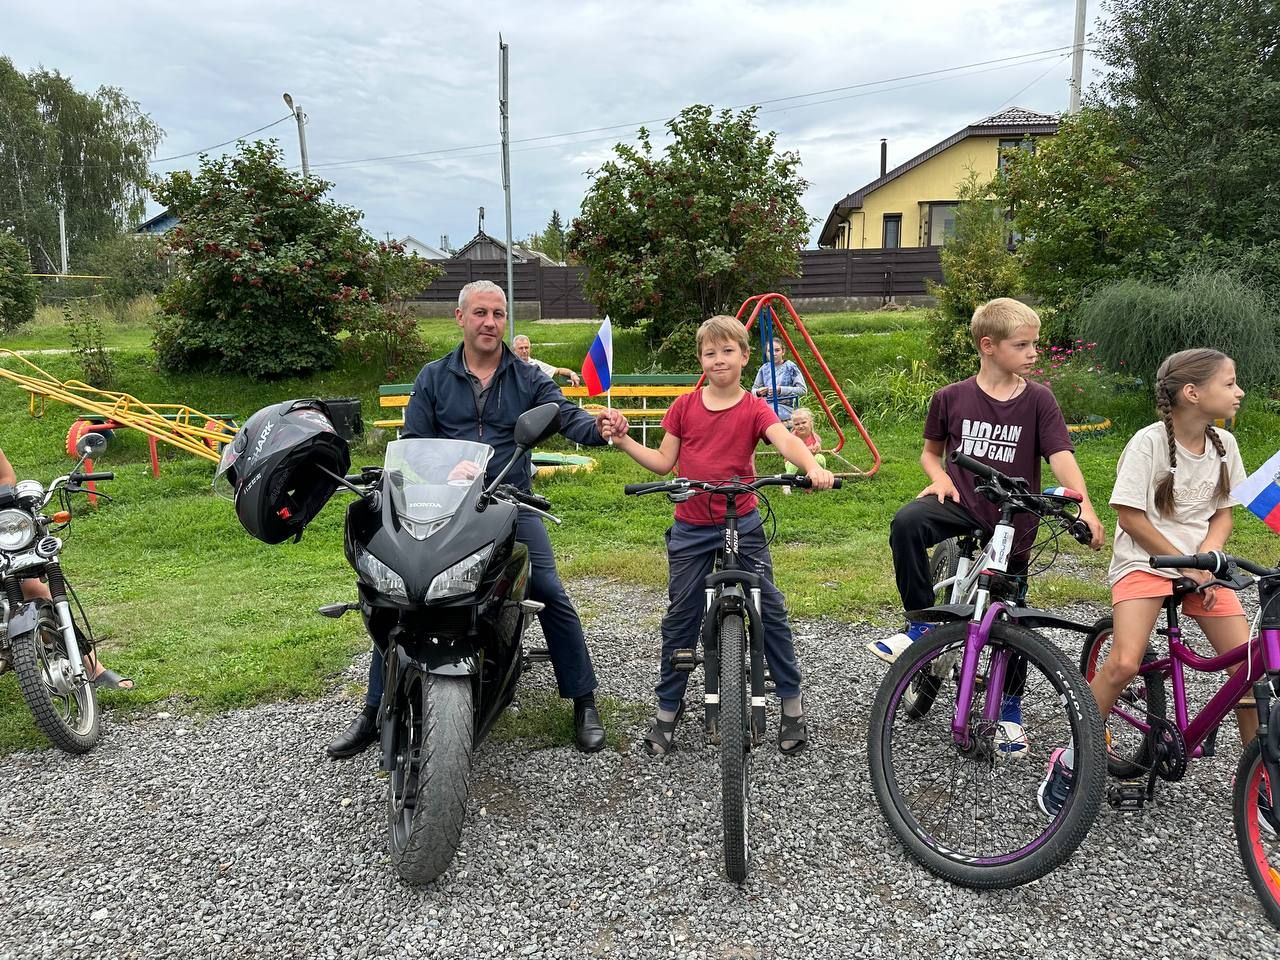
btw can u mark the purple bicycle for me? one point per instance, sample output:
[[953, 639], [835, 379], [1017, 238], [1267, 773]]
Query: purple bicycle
[[956, 772], [1146, 745]]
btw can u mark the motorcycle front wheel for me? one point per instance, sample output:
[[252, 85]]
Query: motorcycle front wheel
[[427, 803], [65, 709]]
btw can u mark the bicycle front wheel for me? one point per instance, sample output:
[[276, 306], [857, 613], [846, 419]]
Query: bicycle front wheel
[[1256, 829], [735, 746], [969, 812]]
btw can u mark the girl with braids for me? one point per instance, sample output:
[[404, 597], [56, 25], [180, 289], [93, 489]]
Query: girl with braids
[[1172, 496]]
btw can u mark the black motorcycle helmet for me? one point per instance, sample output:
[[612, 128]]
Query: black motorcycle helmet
[[275, 468]]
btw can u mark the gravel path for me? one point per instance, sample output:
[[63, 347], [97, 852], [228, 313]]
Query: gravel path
[[232, 836]]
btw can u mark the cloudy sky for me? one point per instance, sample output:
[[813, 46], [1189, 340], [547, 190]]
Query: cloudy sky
[[379, 80]]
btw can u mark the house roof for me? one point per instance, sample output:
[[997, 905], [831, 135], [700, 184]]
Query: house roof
[[160, 223], [1015, 121], [425, 249], [517, 252]]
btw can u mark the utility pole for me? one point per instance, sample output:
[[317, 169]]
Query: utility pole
[[302, 133], [1077, 59], [62, 236], [503, 105]]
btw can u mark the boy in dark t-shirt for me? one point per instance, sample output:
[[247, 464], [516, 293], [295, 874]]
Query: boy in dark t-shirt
[[999, 418]]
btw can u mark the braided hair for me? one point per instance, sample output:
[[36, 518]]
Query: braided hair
[[1183, 368]]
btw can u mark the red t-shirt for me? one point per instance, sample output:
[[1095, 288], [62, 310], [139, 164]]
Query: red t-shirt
[[716, 445]]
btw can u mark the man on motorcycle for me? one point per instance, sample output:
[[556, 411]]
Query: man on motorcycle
[[476, 392]]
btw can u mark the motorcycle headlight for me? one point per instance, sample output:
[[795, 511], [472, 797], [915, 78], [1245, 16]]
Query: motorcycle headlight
[[379, 576], [460, 579], [17, 529]]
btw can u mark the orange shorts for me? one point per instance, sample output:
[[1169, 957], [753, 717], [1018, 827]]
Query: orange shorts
[[1140, 584]]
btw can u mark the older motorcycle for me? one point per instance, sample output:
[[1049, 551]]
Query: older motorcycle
[[39, 638]]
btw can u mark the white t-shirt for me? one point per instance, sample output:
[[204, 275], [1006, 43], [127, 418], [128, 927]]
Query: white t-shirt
[[546, 368], [1195, 499]]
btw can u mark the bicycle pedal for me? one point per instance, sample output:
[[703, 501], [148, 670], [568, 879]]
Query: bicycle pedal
[[1128, 797], [685, 660]]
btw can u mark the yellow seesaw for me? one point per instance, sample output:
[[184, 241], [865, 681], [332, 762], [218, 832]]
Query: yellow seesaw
[[176, 424]]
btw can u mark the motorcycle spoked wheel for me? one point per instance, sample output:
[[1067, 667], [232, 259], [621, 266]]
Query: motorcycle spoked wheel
[[64, 710], [427, 800]]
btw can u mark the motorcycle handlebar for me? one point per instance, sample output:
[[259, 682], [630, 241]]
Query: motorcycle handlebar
[[86, 477]]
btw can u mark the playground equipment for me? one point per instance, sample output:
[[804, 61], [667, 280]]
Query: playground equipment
[[105, 411], [766, 307]]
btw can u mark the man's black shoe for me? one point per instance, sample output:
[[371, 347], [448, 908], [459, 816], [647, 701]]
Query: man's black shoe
[[588, 731], [361, 732]]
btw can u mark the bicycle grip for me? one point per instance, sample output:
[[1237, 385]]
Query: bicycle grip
[[1214, 561], [634, 488], [100, 475], [973, 466]]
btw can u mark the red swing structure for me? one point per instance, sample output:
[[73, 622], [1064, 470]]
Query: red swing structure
[[769, 309]]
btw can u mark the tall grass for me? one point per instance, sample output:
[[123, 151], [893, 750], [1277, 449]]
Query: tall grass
[[1136, 325]]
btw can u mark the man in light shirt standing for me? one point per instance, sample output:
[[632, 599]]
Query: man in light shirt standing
[[522, 348]]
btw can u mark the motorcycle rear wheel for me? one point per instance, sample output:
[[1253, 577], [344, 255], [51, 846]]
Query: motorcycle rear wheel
[[429, 784], [64, 710]]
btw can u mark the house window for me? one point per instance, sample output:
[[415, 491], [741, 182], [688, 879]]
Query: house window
[[892, 231], [942, 222], [1026, 144]]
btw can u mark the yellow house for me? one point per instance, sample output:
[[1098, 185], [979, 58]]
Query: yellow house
[[914, 205]]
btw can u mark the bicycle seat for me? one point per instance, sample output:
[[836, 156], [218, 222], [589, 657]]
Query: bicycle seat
[[1182, 586]]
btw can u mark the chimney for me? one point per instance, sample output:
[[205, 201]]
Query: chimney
[[884, 156]]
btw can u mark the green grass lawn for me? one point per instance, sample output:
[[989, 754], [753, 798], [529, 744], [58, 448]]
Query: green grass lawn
[[195, 608]]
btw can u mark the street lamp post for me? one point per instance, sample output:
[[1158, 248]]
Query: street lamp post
[[302, 133]]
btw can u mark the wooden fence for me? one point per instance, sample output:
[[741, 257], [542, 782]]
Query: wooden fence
[[879, 274]]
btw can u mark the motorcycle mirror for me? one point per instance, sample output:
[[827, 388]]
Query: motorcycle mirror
[[534, 426], [90, 443], [335, 610]]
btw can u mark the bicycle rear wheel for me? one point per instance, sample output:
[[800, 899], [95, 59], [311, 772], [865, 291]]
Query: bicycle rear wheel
[[943, 564], [735, 746], [1129, 752], [1256, 828], [969, 814]]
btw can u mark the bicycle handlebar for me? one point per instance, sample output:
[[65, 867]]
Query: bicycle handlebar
[[722, 487], [1003, 487], [1215, 562]]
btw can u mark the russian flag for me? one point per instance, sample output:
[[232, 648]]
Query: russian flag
[[597, 368], [1261, 493]]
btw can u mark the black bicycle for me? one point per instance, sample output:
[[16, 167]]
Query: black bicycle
[[733, 649]]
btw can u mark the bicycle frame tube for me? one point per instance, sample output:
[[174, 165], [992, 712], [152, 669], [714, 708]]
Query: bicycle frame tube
[[1262, 651]]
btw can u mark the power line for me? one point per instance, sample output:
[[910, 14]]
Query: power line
[[1023, 57], [151, 163], [1053, 66], [486, 149]]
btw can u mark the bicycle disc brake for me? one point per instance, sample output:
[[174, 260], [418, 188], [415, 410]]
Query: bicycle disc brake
[[1169, 750]]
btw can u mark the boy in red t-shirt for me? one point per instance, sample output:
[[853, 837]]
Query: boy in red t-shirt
[[711, 434]]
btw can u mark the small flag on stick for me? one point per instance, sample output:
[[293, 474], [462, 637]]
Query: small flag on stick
[[1260, 493], [597, 369]]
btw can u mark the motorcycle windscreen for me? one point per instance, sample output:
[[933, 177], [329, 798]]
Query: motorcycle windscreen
[[428, 480]]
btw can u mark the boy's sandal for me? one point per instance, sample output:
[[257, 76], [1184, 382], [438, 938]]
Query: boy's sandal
[[795, 731], [890, 648], [661, 738]]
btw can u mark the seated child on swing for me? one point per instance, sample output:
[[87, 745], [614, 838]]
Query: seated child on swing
[[802, 427]]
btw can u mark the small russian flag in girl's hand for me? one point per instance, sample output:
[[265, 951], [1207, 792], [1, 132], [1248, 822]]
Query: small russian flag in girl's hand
[[1261, 493], [598, 366]]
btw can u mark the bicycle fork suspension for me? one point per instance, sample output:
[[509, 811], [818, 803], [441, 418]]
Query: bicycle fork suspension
[[755, 630], [996, 669], [711, 667]]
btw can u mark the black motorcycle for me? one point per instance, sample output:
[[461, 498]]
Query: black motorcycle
[[442, 583], [40, 638]]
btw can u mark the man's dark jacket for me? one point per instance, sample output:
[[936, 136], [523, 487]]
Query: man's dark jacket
[[443, 405]]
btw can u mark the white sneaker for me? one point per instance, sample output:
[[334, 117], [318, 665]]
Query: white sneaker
[[1011, 741]]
